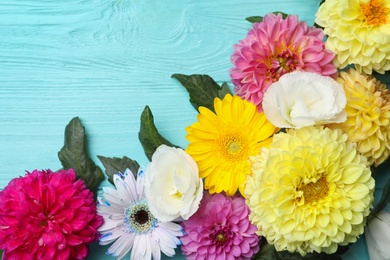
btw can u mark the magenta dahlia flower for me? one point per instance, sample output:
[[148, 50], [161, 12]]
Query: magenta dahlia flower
[[274, 47], [47, 215], [220, 229]]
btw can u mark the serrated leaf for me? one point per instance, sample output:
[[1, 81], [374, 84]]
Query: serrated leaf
[[148, 134], [116, 164], [202, 89], [74, 154], [259, 19]]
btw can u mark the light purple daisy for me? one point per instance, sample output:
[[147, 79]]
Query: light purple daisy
[[128, 221], [220, 229]]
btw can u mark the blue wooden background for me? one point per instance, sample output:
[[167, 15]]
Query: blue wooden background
[[104, 61]]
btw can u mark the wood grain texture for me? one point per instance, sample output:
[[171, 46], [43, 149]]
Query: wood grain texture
[[104, 61]]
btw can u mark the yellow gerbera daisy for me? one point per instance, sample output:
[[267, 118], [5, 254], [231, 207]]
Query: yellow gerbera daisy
[[358, 32], [222, 142], [310, 191], [368, 115]]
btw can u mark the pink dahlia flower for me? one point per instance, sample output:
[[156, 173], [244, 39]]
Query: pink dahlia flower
[[47, 215], [220, 229], [274, 47]]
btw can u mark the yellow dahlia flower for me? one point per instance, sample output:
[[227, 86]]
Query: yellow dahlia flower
[[222, 142], [368, 115], [358, 32], [310, 191]]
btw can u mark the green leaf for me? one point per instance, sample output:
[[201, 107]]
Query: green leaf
[[268, 252], [202, 89], [254, 19], [383, 200], [284, 255], [148, 134], [259, 19], [74, 154], [224, 90], [116, 164]]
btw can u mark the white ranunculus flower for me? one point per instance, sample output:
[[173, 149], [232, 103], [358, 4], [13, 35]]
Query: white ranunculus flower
[[172, 184], [378, 236], [301, 99]]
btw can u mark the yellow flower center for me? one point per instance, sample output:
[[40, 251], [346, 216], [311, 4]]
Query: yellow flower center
[[176, 193], [233, 147], [220, 238], [315, 191], [374, 12]]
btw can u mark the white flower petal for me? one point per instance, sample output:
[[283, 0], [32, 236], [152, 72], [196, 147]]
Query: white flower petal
[[377, 237], [141, 249], [156, 250], [172, 184], [108, 226], [140, 184], [110, 237], [123, 243], [301, 99], [130, 185], [167, 242]]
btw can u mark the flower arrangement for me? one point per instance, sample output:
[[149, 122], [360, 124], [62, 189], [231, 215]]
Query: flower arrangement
[[281, 167]]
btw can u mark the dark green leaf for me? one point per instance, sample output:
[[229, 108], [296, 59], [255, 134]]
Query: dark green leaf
[[268, 252], [259, 19], [202, 89], [383, 200], [74, 154], [318, 26], [224, 90], [116, 164], [254, 19], [284, 255], [148, 134]]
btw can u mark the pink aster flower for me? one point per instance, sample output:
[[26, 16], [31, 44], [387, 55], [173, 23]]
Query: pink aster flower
[[274, 47], [47, 215], [220, 229]]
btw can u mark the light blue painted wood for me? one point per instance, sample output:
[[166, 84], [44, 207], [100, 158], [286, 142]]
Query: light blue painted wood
[[104, 61]]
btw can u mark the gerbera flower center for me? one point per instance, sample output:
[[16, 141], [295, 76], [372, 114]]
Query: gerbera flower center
[[233, 147], [374, 12], [138, 218], [315, 191], [141, 217]]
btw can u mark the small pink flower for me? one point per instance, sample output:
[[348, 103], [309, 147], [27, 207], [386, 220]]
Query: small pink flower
[[274, 47], [47, 215], [220, 229]]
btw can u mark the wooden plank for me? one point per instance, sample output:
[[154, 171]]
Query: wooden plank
[[104, 61]]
